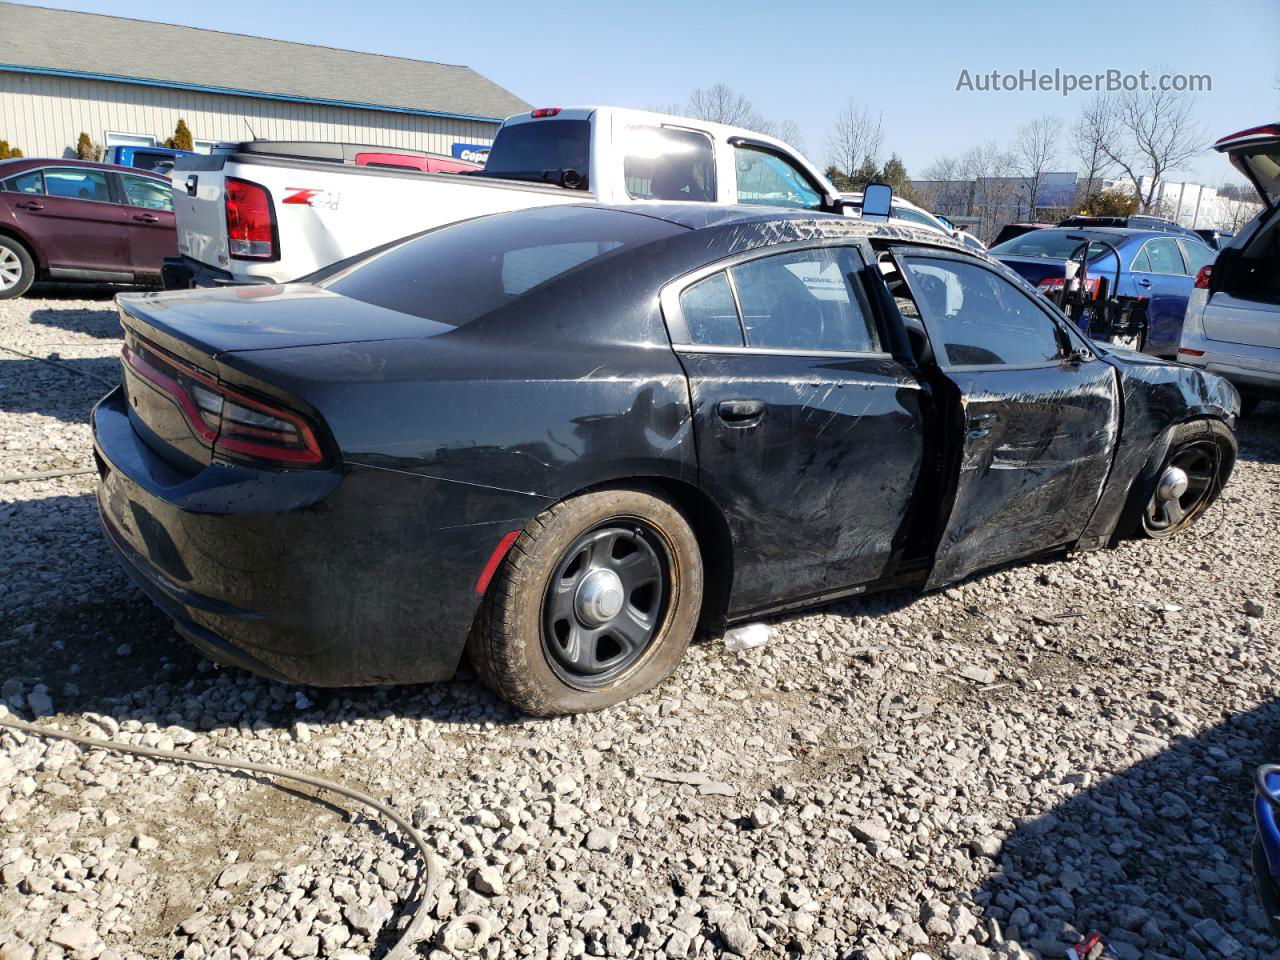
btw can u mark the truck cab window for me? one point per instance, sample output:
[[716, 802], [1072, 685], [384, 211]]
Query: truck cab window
[[663, 163], [768, 179]]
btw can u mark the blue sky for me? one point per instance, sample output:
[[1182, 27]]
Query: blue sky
[[799, 61]]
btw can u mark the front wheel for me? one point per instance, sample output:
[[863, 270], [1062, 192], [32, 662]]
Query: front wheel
[[596, 602], [1199, 460], [17, 270]]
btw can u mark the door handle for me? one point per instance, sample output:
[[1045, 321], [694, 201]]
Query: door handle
[[740, 413], [146, 218], [192, 182], [1144, 283], [30, 205]]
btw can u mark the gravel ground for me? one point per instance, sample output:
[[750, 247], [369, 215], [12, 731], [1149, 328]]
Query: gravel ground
[[990, 771]]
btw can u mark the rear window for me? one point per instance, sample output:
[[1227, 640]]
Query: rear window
[[541, 150], [1049, 244], [461, 272]]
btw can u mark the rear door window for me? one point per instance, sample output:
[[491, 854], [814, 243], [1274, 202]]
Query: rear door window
[[665, 163], [769, 179], [710, 313], [148, 193], [1197, 254], [76, 183], [1165, 256], [804, 301]]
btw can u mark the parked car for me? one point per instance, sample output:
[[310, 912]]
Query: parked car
[[1214, 238], [76, 220], [1137, 221], [1155, 266], [573, 433], [1233, 318], [257, 213], [156, 159], [1266, 843], [908, 212], [1011, 230]]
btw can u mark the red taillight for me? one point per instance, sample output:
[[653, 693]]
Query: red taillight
[[543, 112], [1202, 278], [229, 422], [1190, 353], [1051, 285], [251, 228]]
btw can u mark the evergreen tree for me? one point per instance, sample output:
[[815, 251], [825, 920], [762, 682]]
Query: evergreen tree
[[86, 149], [181, 139]]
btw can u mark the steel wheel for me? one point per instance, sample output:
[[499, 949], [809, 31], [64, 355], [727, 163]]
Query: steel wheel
[[605, 602], [10, 269], [1186, 485]]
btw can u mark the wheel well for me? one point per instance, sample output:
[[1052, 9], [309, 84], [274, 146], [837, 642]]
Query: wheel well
[[25, 244], [712, 533]]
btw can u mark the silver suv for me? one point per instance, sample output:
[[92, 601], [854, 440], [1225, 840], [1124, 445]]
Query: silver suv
[[1232, 326]]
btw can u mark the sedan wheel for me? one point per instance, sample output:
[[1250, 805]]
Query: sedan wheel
[[17, 271], [596, 602], [1187, 485]]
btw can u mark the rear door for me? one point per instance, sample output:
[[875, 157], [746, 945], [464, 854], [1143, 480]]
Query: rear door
[[809, 434], [1160, 274], [74, 220], [1031, 425], [148, 219]]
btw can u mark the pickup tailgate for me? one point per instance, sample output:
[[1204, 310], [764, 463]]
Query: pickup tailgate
[[199, 210]]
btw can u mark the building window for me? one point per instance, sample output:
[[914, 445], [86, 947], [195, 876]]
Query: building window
[[114, 139]]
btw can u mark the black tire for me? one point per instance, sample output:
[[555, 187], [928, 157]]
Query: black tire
[[17, 269], [512, 645], [1205, 450]]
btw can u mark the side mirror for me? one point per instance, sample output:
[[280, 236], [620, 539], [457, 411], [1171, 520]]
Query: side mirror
[[877, 201]]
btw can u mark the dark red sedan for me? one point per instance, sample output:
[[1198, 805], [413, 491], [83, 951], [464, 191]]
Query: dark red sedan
[[71, 220]]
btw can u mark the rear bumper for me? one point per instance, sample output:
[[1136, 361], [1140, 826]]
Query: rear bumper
[[184, 273], [320, 577], [1252, 370]]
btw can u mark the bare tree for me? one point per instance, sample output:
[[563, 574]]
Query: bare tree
[[1034, 151], [855, 138], [991, 170], [788, 131], [1095, 127], [1159, 134], [721, 104]]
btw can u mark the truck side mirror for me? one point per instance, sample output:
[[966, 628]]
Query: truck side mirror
[[877, 201]]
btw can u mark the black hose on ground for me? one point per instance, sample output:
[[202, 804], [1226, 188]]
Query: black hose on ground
[[427, 880]]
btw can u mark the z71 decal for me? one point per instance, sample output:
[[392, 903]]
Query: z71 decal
[[308, 197]]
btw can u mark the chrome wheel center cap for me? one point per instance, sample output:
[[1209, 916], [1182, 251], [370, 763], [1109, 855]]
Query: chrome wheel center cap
[[600, 597], [1172, 485]]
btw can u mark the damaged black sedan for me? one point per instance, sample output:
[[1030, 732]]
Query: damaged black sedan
[[561, 439]]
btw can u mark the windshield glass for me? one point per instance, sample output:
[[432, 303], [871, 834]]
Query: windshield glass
[[1049, 244], [541, 150], [461, 272]]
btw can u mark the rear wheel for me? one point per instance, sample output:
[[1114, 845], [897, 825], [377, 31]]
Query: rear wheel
[[17, 269], [1197, 464], [596, 602]]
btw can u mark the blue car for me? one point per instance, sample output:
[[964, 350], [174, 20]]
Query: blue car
[[155, 159], [1156, 267]]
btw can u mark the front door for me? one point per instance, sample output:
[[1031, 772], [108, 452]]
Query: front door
[[74, 221], [1159, 273], [809, 435], [1032, 417]]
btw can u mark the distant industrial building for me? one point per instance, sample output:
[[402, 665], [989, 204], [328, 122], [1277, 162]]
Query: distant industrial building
[[129, 81]]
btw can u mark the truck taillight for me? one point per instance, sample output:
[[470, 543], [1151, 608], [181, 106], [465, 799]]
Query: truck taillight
[[251, 225], [543, 112], [1202, 278], [232, 424]]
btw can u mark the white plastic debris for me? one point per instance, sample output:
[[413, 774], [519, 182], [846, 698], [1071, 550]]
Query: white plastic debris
[[747, 636]]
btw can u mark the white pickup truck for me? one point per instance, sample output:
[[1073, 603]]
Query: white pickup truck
[[270, 213]]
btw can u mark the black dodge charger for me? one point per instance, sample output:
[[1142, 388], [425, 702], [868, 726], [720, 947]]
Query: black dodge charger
[[563, 438]]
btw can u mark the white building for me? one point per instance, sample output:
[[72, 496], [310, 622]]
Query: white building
[[129, 81], [1193, 205]]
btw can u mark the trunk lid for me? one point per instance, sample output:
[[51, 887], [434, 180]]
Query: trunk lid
[[1035, 269], [1256, 153]]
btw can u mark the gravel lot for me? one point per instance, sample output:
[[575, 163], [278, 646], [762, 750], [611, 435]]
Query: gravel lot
[[990, 771]]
